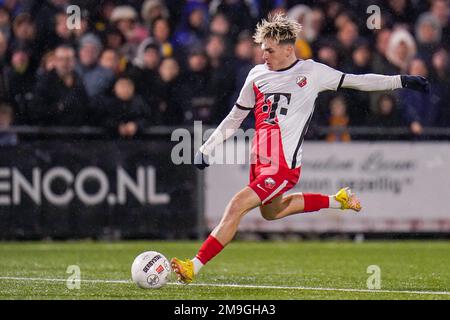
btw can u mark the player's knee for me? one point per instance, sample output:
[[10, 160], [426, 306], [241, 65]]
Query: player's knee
[[236, 208]]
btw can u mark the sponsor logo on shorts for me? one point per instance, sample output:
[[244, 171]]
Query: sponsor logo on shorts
[[269, 183]]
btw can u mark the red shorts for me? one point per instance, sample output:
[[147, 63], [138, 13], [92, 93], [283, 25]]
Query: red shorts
[[269, 181]]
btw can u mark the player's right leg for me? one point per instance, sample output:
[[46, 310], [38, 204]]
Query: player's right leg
[[223, 233]]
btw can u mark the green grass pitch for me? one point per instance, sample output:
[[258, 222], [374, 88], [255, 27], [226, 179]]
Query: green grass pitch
[[267, 270]]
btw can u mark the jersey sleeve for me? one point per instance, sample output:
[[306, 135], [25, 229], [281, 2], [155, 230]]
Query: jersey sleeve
[[371, 82], [327, 78], [246, 97], [226, 129]]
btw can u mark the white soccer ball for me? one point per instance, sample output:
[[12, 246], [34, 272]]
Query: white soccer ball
[[150, 270]]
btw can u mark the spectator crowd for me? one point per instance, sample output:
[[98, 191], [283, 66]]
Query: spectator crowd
[[130, 65]]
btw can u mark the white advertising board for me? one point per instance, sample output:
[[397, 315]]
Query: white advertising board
[[403, 187]]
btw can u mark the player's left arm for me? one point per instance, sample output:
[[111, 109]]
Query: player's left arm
[[331, 79], [378, 82]]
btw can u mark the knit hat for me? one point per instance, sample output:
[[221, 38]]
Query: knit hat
[[122, 13]]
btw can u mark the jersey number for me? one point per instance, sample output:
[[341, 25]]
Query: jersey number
[[271, 109]]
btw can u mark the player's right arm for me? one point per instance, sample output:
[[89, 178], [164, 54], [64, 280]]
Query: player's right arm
[[226, 129], [229, 125]]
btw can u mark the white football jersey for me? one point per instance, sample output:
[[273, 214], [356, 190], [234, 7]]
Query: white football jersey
[[283, 100]]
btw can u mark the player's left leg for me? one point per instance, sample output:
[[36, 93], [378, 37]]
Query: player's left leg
[[283, 206]]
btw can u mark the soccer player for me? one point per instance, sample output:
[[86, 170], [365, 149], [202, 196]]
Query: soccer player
[[281, 93]]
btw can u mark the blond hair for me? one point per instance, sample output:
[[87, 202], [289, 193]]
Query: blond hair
[[278, 28]]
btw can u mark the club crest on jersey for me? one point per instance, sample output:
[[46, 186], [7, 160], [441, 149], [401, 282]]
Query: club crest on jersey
[[269, 183], [302, 81]]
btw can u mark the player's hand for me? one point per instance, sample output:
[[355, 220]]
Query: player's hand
[[417, 83], [201, 160]]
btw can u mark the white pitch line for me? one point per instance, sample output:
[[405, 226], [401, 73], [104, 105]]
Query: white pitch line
[[248, 286]]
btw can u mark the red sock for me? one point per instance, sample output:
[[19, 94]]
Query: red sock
[[315, 202], [209, 249]]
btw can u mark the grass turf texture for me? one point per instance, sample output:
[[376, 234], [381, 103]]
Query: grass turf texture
[[405, 266]]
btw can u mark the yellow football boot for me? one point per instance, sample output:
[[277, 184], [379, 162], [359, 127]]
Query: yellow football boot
[[348, 200], [183, 269]]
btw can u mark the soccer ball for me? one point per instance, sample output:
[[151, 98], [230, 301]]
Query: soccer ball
[[150, 270]]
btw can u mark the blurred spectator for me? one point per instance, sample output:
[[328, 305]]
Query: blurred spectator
[[440, 79], [343, 18], [196, 88], [346, 37], [303, 15], [331, 9], [125, 18], [399, 11], [115, 40], [5, 22], [428, 35], [238, 14], [440, 64], [7, 139], [44, 13], [101, 14], [24, 32], [257, 54], [243, 63], [21, 83], [110, 60], [126, 114], [361, 59], [47, 64], [386, 114], [328, 55], [420, 109], [440, 9], [144, 71], [169, 110], [401, 50], [249, 58], [380, 63], [358, 102], [61, 34], [96, 78], [317, 22], [60, 98], [152, 10], [220, 25], [161, 34], [192, 30], [221, 76], [338, 120]]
